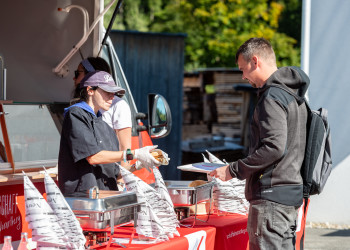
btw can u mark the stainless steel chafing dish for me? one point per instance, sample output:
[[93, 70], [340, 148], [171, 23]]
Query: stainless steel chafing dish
[[182, 194], [100, 213]]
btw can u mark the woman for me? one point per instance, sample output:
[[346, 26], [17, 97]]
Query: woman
[[87, 150], [118, 116]]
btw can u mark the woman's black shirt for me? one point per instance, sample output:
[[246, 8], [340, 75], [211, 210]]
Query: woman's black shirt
[[84, 134]]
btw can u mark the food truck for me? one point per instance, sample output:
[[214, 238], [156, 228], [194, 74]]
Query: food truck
[[41, 44]]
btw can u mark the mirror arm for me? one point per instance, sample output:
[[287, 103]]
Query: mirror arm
[[140, 128], [141, 116], [160, 126]]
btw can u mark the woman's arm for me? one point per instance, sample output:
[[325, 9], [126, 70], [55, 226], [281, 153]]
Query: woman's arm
[[105, 157], [142, 154], [124, 138]]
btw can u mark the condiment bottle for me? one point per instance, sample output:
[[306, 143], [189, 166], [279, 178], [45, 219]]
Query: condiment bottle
[[23, 244], [7, 243]]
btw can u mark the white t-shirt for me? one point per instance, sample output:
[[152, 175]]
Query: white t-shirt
[[119, 115]]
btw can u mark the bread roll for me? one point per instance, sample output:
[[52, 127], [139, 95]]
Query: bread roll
[[158, 155], [197, 183], [155, 154]]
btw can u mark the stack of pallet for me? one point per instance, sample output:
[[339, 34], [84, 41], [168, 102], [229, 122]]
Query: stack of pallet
[[231, 104], [192, 98], [227, 115]]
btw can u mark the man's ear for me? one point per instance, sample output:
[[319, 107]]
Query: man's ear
[[255, 61]]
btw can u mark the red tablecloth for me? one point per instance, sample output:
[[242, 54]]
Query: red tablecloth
[[231, 230], [202, 238]]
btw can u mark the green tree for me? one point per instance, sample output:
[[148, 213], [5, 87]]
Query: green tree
[[215, 29], [290, 20], [134, 14]]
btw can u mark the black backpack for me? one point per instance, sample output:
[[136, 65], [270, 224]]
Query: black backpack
[[317, 164]]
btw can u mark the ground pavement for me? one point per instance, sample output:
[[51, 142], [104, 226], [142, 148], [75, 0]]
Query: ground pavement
[[327, 239]]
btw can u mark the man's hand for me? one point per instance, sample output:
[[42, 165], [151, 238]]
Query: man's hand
[[222, 173]]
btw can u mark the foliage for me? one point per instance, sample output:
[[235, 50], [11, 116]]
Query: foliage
[[216, 29], [290, 20]]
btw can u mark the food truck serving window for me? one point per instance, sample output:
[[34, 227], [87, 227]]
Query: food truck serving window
[[33, 135]]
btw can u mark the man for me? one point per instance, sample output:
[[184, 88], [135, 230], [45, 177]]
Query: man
[[274, 186]]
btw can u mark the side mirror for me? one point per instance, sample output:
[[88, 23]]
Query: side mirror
[[159, 116]]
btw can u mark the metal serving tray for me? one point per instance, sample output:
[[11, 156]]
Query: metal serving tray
[[182, 194], [100, 213]]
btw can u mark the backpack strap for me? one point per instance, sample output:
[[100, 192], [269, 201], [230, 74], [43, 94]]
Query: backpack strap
[[300, 100]]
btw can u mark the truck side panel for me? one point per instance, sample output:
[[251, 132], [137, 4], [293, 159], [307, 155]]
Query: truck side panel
[[35, 37]]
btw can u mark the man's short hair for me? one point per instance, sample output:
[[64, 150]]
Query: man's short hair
[[257, 46]]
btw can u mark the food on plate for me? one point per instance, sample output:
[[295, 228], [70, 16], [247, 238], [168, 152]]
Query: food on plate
[[197, 183]]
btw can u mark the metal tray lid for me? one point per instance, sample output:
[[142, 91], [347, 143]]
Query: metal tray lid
[[183, 185], [113, 202]]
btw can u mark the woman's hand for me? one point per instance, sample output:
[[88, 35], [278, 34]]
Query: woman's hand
[[146, 159]]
